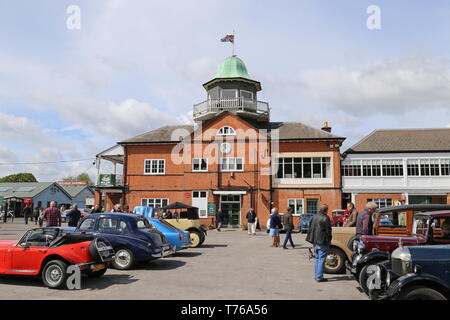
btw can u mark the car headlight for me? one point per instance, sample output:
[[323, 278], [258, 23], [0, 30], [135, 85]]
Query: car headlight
[[388, 279]]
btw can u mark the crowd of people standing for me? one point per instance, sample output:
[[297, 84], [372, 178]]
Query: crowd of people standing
[[319, 231]]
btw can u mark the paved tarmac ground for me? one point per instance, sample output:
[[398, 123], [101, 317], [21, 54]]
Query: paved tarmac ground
[[229, 265]]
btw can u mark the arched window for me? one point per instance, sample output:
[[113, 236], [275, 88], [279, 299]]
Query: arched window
[[226, 131]]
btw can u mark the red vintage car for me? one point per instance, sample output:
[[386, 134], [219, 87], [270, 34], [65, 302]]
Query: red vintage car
[[422, 228], [338, 217], [48, 252]]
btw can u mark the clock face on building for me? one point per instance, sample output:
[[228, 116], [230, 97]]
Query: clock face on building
[[225, 148]]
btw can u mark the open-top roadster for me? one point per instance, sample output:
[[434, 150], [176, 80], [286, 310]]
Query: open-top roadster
[[50, 251]]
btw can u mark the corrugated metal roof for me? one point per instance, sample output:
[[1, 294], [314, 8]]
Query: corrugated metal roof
[[17, 189], [74, 190]]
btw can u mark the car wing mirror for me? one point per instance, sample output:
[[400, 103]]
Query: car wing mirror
[[25, 245]]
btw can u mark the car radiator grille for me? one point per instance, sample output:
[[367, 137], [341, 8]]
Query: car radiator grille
[[399, 267]]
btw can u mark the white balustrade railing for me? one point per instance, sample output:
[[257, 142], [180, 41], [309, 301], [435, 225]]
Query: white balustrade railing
[[216, 105]]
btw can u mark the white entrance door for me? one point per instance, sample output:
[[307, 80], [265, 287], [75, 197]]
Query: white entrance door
[[200, 200]]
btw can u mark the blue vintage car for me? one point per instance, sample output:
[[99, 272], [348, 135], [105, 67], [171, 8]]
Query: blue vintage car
[[133, 238], [413, 273], [304, 222], [177, 238]]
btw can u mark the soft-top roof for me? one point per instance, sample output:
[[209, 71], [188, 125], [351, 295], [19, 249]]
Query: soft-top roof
[[178, 205]]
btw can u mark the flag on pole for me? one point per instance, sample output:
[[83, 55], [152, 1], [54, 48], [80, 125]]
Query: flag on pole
[[228, 38]]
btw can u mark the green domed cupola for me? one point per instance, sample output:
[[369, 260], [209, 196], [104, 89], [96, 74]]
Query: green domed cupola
[[232, 67], [232, 90]]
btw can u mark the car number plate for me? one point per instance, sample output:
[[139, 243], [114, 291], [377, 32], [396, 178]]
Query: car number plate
[[97, 267]]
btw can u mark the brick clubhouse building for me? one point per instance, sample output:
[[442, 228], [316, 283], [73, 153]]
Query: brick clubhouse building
[[234, 158]]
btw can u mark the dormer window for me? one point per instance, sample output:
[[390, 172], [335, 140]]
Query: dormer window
[[226, 131]]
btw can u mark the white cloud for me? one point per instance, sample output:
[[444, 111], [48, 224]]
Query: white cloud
[[21, 130], [199, 69], [395, 87]]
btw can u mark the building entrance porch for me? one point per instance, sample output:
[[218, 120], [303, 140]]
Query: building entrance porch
[[231, 208]]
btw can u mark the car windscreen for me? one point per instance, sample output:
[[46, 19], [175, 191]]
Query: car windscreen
[[87, 224], [39, 237], [394, 219]]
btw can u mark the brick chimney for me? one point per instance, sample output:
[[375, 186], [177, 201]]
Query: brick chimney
[[325, 127]]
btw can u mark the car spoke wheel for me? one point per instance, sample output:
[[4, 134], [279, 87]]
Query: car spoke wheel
[[195, 238], [124, 259], [335, 261], [54, 274]]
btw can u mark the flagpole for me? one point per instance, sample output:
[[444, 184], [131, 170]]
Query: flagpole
[[233, 43]]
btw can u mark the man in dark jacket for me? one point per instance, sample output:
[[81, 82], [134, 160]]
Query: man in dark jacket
[[27, 212], [251, 222], [319, 234], [364, 220], [288, 226], [73, 216]]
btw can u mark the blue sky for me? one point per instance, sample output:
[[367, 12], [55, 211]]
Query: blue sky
[[138, 65]]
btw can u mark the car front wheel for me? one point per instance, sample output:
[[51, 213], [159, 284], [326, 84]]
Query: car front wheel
[[54, 274], [124, 259], [362, 279], [196, 238], [335, 261], [420, 293]]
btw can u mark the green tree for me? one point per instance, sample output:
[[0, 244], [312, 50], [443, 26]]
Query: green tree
[[84, 177], [81, 177], [19, 177]]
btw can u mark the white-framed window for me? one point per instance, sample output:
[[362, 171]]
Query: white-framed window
[[226, 131], [381, 202], [428, 167], [154, 202], [372, 168], [248, 95], [231, 164], [304, 168], [200, 164], [228, 93], [297, 206], [154, 166]]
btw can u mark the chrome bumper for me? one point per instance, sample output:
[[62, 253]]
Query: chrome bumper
[[166, 250]]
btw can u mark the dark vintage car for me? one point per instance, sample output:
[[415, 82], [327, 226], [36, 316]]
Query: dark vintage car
[[49, 252], [413, 273], [371, 250], [390, 224], [133, 238], [341, 252]]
